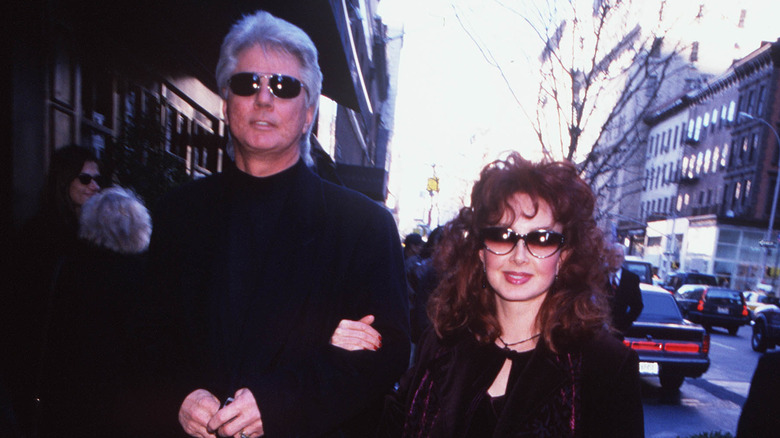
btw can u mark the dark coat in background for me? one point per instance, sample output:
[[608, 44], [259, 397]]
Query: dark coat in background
[[626, 301], [592, 390], [89, 359], [759, 416], [331, 254]]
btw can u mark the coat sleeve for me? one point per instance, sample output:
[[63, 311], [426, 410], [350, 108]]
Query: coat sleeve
[[329, 387], [612, 403]]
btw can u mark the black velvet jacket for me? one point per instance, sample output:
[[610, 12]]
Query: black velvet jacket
[[230, 322], [590, 391]]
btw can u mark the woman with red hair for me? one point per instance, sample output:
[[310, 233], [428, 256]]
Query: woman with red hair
[[520, 344]]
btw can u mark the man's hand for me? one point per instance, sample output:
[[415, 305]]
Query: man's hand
[[239, 419], [195, 412], [356, 335]]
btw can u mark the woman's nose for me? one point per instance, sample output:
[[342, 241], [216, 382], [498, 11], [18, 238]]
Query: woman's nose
[[520, 252]]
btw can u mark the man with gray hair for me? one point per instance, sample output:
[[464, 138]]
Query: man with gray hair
[[257, 265]]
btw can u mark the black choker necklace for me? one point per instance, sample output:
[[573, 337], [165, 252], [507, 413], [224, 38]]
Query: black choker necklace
[[506, 346]]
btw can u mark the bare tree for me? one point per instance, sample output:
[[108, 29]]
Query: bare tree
[[600, 74]]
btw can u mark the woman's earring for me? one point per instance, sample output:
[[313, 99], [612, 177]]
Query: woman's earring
[[484, 276]]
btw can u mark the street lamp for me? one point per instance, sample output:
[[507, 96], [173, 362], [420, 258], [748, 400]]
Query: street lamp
[[768, 243]]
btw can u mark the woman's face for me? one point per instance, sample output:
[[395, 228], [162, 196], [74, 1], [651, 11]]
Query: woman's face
[[518, 276], [79, 192]]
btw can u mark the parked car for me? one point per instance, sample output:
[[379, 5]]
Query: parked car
[[668, 346], [713, 306], [677, 279], [639, 267], [766, 328]]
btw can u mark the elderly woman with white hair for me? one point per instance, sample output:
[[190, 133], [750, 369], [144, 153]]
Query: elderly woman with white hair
[[88, 360]]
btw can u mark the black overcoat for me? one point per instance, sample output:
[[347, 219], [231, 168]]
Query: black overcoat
[[333, 254]]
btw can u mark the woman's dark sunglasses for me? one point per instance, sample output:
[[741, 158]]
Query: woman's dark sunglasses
[[85, 179], [282, 86], [539, 243]]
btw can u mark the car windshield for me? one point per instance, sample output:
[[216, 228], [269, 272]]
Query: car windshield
[[640, 269], [659, 308]]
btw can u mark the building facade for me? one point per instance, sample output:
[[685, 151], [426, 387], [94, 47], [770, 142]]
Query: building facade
[[727, 176]]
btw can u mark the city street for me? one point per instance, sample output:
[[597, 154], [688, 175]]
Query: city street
[[710, 403]]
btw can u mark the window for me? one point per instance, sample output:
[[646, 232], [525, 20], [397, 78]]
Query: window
[[686, 199], [663, 142], [753, 146], [699, 163], [738, 190], [760, 103], [674, 144], [666, 205], [691, 126], [685, 166], [706, 119], [724, 156], [663, 176], [714, 118], [747, 191], [694, 51], [707, 158], [715, 158], [697, 131], [709, 196], [701, 197], [750, 101], [732, 108], [679, 202]]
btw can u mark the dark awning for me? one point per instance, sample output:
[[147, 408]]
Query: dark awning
[[182, 37]]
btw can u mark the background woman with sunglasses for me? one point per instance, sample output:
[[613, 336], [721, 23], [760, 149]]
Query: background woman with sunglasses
[[519, 346], [43, 240]]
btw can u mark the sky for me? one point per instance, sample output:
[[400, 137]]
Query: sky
[[457, 111]]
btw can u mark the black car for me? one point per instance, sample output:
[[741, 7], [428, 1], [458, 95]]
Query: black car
[[766, 328], [713, 307], [677, 279], [668, 346]]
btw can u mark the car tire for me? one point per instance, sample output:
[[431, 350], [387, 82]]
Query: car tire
[[671, 382], [758, 340], [733, 330]]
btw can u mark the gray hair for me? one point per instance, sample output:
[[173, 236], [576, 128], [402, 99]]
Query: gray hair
[[117, 220], [272, 34]]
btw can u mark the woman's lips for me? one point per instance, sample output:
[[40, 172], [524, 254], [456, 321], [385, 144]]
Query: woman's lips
[[517, 277]]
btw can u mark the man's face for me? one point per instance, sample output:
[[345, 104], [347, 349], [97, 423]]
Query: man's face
[[615, 259], [265, 127]]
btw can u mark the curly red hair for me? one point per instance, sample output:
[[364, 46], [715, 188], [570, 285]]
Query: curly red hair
[[575, 306]]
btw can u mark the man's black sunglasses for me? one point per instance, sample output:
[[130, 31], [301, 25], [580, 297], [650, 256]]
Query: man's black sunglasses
[[85, 179], [282, 86], [540, 243]]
